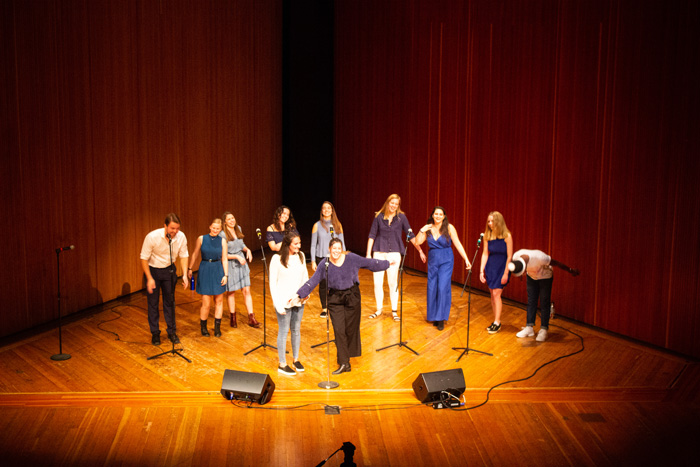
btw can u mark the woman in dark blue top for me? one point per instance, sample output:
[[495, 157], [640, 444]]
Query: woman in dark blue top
[[386, 242], [344, 301], [282, 222]]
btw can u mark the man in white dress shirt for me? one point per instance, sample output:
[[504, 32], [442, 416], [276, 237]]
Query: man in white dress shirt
[[160, 249], [538, 266]]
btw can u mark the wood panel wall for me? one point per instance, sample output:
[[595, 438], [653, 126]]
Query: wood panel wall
[[114, 114], [578, 120]]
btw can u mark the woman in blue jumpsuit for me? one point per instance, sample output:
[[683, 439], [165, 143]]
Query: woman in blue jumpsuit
[[441, 235]]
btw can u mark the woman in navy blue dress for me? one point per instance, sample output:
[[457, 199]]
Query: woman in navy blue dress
[[282, 222], [440, 235], [213, 275], [494, 263]]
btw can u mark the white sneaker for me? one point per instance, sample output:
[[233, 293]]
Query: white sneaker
[[542, 335], [526, 332]]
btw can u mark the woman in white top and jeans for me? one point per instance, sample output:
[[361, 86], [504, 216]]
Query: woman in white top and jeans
[[287, 274]]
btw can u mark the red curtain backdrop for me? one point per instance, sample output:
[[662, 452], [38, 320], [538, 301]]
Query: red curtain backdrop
[[578, 120], [114, 114]]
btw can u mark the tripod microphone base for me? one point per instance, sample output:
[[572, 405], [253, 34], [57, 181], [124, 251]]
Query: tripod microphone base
[[466, 350], [59, 357], [328, 385], [400, 344], [173, 351], [262, 346]]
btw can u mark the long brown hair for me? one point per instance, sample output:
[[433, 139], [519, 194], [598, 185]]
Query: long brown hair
[[227, 232], [445, 227], [337, 226], [289, 225], [284, 249]]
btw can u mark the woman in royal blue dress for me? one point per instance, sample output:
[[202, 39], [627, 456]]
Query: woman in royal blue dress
[[440, 235], [213, 275], [494, 263]]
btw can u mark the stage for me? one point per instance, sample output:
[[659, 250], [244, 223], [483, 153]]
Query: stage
[[612, 402]]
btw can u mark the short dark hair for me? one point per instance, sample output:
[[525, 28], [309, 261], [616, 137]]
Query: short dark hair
[[172, 217]]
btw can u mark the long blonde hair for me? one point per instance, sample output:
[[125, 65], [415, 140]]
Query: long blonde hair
[[382, 211], [499, 227]]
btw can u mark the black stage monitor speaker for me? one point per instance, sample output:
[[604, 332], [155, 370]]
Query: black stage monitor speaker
[[244, 386], [429, 386]]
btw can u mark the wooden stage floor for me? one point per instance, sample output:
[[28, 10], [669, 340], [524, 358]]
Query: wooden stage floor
[[613, 402]]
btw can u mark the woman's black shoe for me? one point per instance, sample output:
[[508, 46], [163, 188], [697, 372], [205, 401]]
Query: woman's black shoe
[[441, 325], [217, 328], [342, 369], [203, 325]]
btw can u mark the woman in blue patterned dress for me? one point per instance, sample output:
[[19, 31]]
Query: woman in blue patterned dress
[[213, 275], [440, 235], [494, 263], [238, 256]]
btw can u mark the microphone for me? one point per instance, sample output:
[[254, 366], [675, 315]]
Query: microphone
[[408, 234], [478, 243], [332, 232], [170, 239], [257, 231], [65, 248]]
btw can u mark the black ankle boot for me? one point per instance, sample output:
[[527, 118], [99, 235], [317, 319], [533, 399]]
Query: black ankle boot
[[203, 323], [217, 328]]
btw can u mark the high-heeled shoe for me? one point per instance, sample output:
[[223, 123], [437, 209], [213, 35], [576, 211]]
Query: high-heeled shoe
[[252, 322], [234, 324], [203, 325], [217, 328], [343, 368]]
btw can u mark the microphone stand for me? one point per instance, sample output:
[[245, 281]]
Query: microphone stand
[[173, 275], [469, 307], [327, 384], [264, 343], [60, 356], [401, 343], [328, 258]]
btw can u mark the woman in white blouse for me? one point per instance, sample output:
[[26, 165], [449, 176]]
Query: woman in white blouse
[[287, 274]]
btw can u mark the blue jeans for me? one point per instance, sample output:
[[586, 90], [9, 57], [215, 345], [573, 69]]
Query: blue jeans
[[291, 320]]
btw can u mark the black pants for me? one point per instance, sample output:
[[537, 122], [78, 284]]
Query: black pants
[[165, 280], [322, 286], [344, 307], [539, 290]]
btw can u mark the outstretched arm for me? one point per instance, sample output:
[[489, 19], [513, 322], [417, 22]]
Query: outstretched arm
[[572, 271]]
